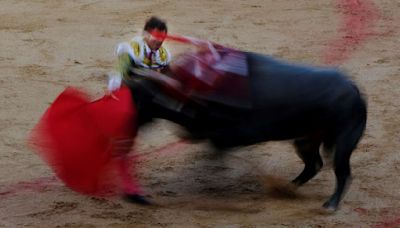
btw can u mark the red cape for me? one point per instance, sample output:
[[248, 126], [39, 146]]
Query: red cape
[[76, 137]]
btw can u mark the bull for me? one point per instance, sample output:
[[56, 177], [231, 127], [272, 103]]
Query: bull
[[274, 100]]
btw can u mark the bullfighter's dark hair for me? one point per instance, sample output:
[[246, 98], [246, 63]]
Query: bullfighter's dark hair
[[155, 23]]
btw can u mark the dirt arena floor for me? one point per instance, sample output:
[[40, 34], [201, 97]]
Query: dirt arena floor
[[47, 45]]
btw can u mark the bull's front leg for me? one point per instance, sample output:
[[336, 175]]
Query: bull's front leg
[[308, 151]]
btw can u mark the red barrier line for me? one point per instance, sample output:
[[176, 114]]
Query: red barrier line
[[169, 148], [358, 18], [390, 223], [40, 184]]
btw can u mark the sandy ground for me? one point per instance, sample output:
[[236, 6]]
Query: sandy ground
[[47, 45]]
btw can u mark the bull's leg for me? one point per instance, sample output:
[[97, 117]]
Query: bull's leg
[[308, 151], [345, 144], [342, 172]]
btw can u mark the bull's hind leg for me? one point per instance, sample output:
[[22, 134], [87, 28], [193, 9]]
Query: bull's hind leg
[[342, 172], [308, 151], [345, 144]]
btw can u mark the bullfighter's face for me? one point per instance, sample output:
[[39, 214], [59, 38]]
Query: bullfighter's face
[[155, 38]]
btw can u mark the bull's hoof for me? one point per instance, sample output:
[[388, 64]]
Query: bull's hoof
[[330, 206], [136, 198]]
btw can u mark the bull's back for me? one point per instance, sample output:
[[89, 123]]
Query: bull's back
[[291, 99], [275, 83]]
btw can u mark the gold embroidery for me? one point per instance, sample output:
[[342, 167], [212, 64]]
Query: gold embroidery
[[136, 48], [163, 54], [146, 61]]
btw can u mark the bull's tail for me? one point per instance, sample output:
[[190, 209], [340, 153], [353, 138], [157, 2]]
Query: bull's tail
[[360, 125]]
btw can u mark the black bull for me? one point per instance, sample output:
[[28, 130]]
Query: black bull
[[313, 106]]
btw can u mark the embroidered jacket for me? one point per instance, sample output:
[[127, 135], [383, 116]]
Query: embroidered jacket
[[137, 52]]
